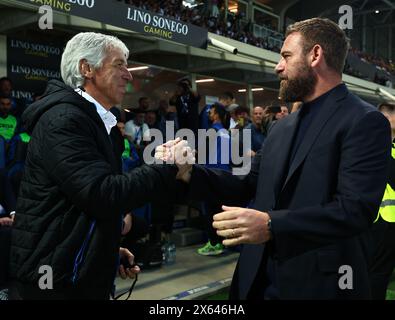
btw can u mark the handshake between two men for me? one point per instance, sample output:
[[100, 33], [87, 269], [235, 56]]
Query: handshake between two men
[[237, 225]]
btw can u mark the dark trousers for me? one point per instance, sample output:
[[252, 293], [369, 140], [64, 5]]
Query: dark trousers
[[7, 195], [383, 262], [5, 242]]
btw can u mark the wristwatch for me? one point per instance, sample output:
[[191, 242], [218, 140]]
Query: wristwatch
[[269, 228], [269, 225]]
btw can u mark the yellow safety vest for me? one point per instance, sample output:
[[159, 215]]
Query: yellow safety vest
[[387, 207]]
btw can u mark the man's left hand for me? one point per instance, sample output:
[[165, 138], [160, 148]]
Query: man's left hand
[[128, 272], [241, 225]]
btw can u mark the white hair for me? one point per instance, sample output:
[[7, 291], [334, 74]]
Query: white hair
[[91, 46]]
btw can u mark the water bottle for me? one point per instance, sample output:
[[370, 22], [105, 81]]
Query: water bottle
[[170, 253], [164, 252]]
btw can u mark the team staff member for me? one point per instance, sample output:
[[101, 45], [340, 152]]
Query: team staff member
[[317, 182], [383, 243], [73, 193]]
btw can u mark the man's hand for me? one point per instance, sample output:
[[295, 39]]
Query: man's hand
[[178, 152], [129, 272], [241, 225], [127, 220], [251, 153], [6, 221]]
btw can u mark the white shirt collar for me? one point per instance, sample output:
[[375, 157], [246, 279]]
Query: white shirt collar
[[232, 124], [107, 117]]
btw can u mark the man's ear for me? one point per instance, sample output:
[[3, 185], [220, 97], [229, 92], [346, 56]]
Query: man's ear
[[86, 69], [317, 55]]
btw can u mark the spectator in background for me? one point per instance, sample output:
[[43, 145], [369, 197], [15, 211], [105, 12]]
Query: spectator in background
[[130, 157], [187, 104], [226, 99], [242, 117], [269, 116], [231, 109], [144, 103], [167, 113], [237, 133], [257, 137], [151, 119], [283, 113], [17, 105], [218, 160], [8, 122], [138, 131]]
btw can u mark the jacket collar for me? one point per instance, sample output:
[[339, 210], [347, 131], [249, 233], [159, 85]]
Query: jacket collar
[[329, 107]]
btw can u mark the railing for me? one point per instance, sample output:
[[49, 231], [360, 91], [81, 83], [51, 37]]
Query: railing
[[274, 38]]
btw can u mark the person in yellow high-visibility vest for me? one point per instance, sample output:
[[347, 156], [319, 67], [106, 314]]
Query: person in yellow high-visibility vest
[[383, 262]]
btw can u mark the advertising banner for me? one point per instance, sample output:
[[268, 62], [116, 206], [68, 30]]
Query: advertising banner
[[122, 15]]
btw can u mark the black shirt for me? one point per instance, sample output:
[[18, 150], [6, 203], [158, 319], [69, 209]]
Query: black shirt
[[307, 114]]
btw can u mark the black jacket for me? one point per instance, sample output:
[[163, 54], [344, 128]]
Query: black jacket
[[73, 194], [322, 205]]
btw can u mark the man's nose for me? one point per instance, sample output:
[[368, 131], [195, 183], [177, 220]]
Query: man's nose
[[127, 74], [279, 67]]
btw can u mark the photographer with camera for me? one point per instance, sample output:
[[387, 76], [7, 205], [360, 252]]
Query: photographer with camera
[[273, 112]]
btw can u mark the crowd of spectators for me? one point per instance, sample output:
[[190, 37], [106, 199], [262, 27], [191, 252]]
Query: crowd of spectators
[[382, 70], [211, 15], [380, 63]]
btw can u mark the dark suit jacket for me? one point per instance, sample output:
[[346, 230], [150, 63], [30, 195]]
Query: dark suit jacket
[[321, 205]]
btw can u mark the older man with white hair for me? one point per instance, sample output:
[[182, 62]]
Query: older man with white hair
[[69, 215]]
